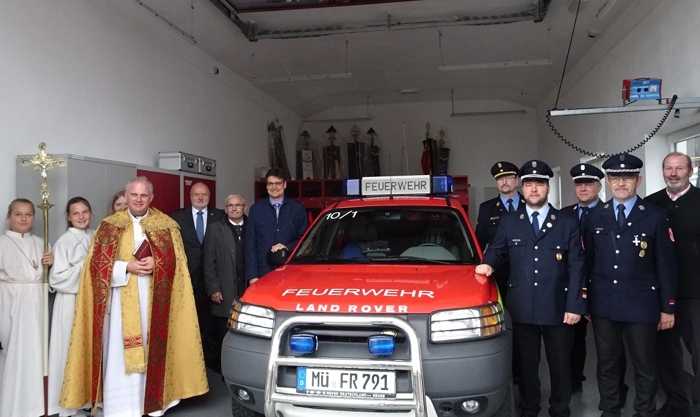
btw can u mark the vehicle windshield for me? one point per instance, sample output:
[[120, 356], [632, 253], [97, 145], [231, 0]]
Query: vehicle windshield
[[423, 235]]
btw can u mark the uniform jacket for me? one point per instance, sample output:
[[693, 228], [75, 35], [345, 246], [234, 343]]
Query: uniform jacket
[[266, 230], [220, 258], [546, 272], [633, 269], [490, 212], [685, 223], [193, 249]]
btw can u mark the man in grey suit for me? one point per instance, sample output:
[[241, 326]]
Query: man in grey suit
[[224, 264]]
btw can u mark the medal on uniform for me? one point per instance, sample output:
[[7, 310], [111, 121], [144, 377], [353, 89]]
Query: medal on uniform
[[644, 245], [642, 253], [559, 257]]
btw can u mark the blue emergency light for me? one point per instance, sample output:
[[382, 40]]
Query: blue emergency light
[[381, 344], [303, 343], [399, 185]]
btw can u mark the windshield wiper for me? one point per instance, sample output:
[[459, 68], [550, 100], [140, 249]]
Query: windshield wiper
[[415, 259], [328, 259]]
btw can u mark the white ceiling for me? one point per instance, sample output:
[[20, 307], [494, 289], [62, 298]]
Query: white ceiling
[[382, 61]]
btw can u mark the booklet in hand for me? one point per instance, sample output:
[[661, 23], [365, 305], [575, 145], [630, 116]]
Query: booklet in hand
[[143, 251]]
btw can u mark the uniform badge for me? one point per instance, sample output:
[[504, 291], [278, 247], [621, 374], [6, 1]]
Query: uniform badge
[[522, 216], [642, 253], [553, 217], [498, 204], [534, 164], [636, 241], [500, 165], [622, 157], [641, 207], [606, 206], [559, 257], [583, 167]]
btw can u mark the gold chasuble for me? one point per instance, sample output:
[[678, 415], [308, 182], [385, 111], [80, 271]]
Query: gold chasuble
[[173, 363]]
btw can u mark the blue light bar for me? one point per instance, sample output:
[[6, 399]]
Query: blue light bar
[[380, 344], [303, 343], [442, 184], [352, 187]]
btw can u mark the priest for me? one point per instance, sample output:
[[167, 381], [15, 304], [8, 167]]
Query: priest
[[135, 346]]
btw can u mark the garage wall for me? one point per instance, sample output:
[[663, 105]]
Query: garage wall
[[476, 142], [108, 80], [663, 45]]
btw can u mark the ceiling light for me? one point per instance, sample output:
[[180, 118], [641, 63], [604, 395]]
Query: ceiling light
[[487, 113], [605, 9], [409, 91], [489, 65], [303, 78]]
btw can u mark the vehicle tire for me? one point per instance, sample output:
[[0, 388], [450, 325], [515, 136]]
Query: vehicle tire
[[508, 407], [238, 410]]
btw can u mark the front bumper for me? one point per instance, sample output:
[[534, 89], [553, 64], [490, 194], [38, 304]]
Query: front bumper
[[448, 373]]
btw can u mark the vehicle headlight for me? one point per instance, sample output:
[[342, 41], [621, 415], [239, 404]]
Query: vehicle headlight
[[246, 318], [468, 323]]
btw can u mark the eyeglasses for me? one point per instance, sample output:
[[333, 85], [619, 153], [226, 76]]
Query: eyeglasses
[[621, 179], [235, 205], [275, 184], [506, 178]]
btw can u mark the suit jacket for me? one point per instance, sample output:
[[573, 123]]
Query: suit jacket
[[632, 269], [193, 249], [265, 230], [546, 276], [220, 260], [490, 212]]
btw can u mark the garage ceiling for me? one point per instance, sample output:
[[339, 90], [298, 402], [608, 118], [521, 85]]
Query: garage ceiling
[[377, 50]]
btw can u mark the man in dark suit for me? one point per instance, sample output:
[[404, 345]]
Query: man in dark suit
[[587, 187], [193, 223], [274, 223], [490, 212], [224, 267], [681, 200], [545, 287], [632, 285]]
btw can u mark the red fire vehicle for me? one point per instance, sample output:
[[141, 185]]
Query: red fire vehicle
[[379, 311]]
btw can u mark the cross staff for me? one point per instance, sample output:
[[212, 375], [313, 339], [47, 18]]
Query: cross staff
[[44, 162]]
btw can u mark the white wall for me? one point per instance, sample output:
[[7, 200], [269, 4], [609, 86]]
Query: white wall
[[476, 143], [663, 45], [108, 80]]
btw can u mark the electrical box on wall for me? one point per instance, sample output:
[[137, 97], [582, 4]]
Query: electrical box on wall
[[641, 89]]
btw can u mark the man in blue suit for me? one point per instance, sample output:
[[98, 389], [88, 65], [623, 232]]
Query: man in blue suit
[[545, 287], [273, 224], [632, 285]]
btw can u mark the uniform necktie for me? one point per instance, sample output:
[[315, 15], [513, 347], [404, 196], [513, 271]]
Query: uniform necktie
[[510, 205], [535, 223], [200, 226], [583, 220], [620, 215]]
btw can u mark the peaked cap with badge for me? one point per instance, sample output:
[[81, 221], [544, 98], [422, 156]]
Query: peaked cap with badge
[[535, 170], [623, 165], [586, 173], [502, 168]]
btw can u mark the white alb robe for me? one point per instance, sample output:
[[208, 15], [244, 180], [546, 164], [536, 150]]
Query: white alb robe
[[69, 254], [21, 328], [123, 394]]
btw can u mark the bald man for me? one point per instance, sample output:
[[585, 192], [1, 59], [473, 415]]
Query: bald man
[[193, 221]]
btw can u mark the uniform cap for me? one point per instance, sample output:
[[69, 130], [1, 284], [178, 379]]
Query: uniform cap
[[586, 173], [535, 169], [623, 165], [502, 168]]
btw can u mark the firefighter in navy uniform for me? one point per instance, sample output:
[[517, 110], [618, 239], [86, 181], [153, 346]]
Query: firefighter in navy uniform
[[632, 285], [490, 212], [545, 287], [587, 186]]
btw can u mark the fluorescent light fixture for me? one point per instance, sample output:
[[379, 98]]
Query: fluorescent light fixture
[[409, 91], [490, 65], [314, 77], [688, 103], [340, 120], [605, 9], [170, 24], [487, 113]]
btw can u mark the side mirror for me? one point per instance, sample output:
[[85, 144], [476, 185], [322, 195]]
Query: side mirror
[[278, 258]]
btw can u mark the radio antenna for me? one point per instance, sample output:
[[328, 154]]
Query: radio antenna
[[405, 146]]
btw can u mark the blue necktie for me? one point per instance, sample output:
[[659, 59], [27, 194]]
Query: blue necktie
[[277, 210], [510, 205], [535, 223], [200, 227], [620, 215]]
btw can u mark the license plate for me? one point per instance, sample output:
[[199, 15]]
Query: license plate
[[346, 383]]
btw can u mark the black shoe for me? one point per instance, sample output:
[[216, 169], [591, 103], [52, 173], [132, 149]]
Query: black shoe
[[670, 411]]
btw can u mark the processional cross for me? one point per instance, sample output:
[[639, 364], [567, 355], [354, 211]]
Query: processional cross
[[44, 162]]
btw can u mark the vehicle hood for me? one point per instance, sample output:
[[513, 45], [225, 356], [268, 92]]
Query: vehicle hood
[[371, 289]]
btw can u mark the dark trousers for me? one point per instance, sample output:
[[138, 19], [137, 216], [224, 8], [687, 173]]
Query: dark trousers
[[219, 330], [671, 373], [557, 346], [202, 303], [640, 340], [578, 352]]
